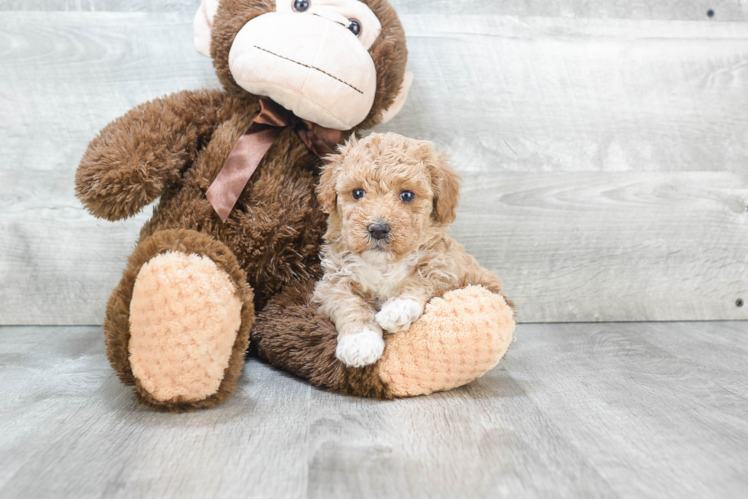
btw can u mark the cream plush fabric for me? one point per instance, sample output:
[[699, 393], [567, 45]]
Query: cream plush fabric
[[308, 62], [202, 25], [318, 69], [341, 11], [185, 315], [423, 359]]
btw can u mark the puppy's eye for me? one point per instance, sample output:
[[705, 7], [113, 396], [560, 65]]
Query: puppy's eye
[[358, 194], [355, 27], [407, 196], [301, 5]]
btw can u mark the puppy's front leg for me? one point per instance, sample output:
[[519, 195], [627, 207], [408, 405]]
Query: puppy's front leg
[[363, 346], [399, 312], [360, 340]]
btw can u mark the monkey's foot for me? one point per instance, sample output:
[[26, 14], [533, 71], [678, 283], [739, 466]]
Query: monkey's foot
[[178, 325], [184, 317], [459, 338]]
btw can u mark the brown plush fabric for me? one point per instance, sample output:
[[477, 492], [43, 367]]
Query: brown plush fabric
[[276, 227], [137, 157], [173, 148], [116, 325], [291, 334]]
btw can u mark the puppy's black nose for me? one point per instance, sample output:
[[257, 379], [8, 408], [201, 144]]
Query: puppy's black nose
[[379, 230]]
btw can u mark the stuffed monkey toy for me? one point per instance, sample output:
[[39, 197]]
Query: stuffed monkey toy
[[232, 249]]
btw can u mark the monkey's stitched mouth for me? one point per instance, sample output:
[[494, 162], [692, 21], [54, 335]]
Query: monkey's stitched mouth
[[310, 67]]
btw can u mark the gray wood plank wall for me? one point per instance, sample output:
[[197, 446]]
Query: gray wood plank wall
[[722, 10], [603, 146]]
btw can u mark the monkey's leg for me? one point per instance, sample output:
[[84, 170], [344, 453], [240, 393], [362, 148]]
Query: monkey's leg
[[459, 338], [177, 326], [292, 335]]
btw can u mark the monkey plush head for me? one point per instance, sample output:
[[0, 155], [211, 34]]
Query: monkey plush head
[[337, 63]]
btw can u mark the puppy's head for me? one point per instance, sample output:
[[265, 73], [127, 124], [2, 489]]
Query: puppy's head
[[387, 194]]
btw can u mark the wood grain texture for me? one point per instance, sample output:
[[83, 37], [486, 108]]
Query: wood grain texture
[[722, 10], [612, 247], [574, 410], [101, 5], [58, 264], [641, 123], [550, 94]]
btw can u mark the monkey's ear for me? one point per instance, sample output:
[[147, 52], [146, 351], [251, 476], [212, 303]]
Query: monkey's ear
[[446, 185], [203, 24], [389, 113]]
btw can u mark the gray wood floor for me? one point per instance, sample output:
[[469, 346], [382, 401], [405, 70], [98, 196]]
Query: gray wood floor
[[575, 410]]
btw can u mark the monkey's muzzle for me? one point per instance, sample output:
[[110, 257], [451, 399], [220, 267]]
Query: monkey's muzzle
[[310, 65]]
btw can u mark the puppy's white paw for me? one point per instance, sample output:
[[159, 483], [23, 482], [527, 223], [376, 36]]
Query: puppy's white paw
[[361, 348], [398, 315]]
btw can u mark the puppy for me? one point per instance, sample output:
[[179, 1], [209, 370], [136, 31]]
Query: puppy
[[390, 200]]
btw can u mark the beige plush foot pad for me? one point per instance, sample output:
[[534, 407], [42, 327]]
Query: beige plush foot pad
[[184, 319], [459, 338]]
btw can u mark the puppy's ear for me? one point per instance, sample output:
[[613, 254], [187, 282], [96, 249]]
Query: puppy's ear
[[446, 185], [326, 194]]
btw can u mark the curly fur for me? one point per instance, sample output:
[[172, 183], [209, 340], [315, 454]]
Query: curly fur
[[373, 284]]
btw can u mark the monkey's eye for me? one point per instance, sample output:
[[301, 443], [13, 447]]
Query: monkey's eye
[[358, 194], [407, 196], [301, 5], [355, 27]]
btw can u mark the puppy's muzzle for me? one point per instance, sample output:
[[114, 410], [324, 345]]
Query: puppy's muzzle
[[379, 230]]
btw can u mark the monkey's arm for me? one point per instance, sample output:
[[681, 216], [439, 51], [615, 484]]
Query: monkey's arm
[[135, 157]]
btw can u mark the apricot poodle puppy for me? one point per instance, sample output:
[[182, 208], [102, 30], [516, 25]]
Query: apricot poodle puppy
[[390, 201]]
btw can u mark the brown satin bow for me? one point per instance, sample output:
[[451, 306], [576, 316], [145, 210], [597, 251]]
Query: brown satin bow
[[251, 147]]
